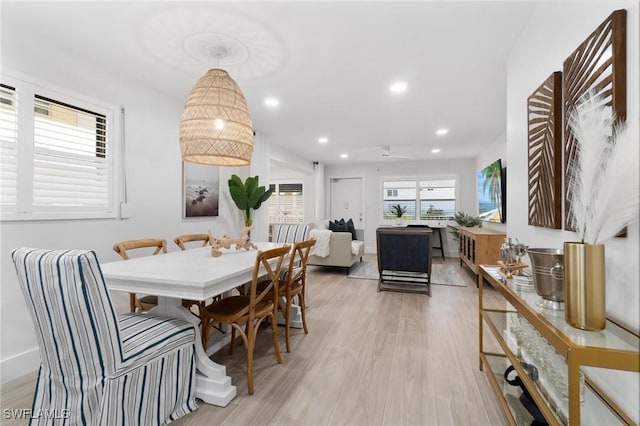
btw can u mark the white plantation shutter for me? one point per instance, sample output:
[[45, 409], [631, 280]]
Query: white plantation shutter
[[286, 205], [291, 202], [70, 167], [8, 147], [58, 155]]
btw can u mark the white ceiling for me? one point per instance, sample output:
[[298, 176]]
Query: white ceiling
[[329, 63]]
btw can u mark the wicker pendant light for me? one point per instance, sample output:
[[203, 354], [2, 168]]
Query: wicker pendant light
[[216, 127]]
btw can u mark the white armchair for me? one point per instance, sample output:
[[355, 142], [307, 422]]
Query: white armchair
[[343, 250], [96, 367]]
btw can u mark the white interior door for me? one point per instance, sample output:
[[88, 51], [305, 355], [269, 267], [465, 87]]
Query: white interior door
[[346, 200]]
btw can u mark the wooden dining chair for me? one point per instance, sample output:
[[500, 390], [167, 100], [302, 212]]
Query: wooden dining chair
[[146, 302], [292, 285], [181, 240], [245, 313]]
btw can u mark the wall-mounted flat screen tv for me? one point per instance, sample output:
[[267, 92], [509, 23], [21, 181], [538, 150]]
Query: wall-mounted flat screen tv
[[492, 193]]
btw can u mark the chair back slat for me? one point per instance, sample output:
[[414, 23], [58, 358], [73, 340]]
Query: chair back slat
[[121, 248], [157, 243], [298, 261], [263, 259], [181, 240]]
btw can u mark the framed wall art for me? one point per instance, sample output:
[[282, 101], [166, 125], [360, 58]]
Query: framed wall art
[[200, 189], [544, 118], [599, 64]]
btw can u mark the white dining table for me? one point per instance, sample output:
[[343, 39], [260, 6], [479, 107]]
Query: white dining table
[[189, 274]]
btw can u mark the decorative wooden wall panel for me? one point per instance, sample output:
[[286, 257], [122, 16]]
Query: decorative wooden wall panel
[[598, 64], [544, 114]]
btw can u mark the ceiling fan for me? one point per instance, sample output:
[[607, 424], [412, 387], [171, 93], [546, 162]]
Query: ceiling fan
[[386, 153]]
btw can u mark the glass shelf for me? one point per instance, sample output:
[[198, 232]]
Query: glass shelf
[[612, 337], [594, 410], [600, 362], [497, 366]]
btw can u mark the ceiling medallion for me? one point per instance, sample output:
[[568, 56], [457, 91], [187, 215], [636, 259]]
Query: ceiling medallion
[[181, 37]]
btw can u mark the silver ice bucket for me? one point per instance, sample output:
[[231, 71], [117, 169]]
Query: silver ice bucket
[[548, 276]]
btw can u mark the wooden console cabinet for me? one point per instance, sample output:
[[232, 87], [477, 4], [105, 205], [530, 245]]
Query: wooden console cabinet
[[480, 246]]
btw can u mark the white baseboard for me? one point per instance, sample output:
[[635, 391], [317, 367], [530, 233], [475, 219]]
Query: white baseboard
[[19, 365]]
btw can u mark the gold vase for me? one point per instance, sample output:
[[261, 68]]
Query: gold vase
[[584, 285]]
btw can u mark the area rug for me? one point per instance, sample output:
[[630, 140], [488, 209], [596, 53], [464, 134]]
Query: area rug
[[440, 274]]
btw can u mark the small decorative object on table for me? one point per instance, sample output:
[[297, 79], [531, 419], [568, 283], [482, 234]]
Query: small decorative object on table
[[511, 254], [509, 270], [226, 241]]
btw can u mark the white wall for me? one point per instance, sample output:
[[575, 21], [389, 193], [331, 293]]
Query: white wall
[[554, 31], [154, 178], [372, 173]]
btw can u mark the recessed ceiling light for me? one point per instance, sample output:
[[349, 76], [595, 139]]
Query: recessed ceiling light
[[398, 87], [442, 131], [344, 155], [323, 139], [271, 102], [435, 150]]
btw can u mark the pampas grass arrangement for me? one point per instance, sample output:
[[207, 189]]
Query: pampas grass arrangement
[[604, 182]]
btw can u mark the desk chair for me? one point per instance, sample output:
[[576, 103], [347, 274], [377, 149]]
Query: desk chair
[[146, 302], [249, 310], [95, 366]]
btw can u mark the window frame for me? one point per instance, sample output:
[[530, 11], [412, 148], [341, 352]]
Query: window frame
[[417, 179], [26, 90]]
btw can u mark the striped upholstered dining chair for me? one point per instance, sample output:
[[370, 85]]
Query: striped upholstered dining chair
[[289, 233], [100, 368]]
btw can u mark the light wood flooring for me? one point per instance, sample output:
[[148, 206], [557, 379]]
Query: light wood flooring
[[370, 358]]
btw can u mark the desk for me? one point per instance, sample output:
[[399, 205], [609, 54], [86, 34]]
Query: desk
[[189, 274]]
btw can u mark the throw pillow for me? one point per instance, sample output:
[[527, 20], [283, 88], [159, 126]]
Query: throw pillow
[[337, 227], [352, 228]]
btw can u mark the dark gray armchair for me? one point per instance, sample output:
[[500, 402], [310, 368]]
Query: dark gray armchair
[[404, 259]]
